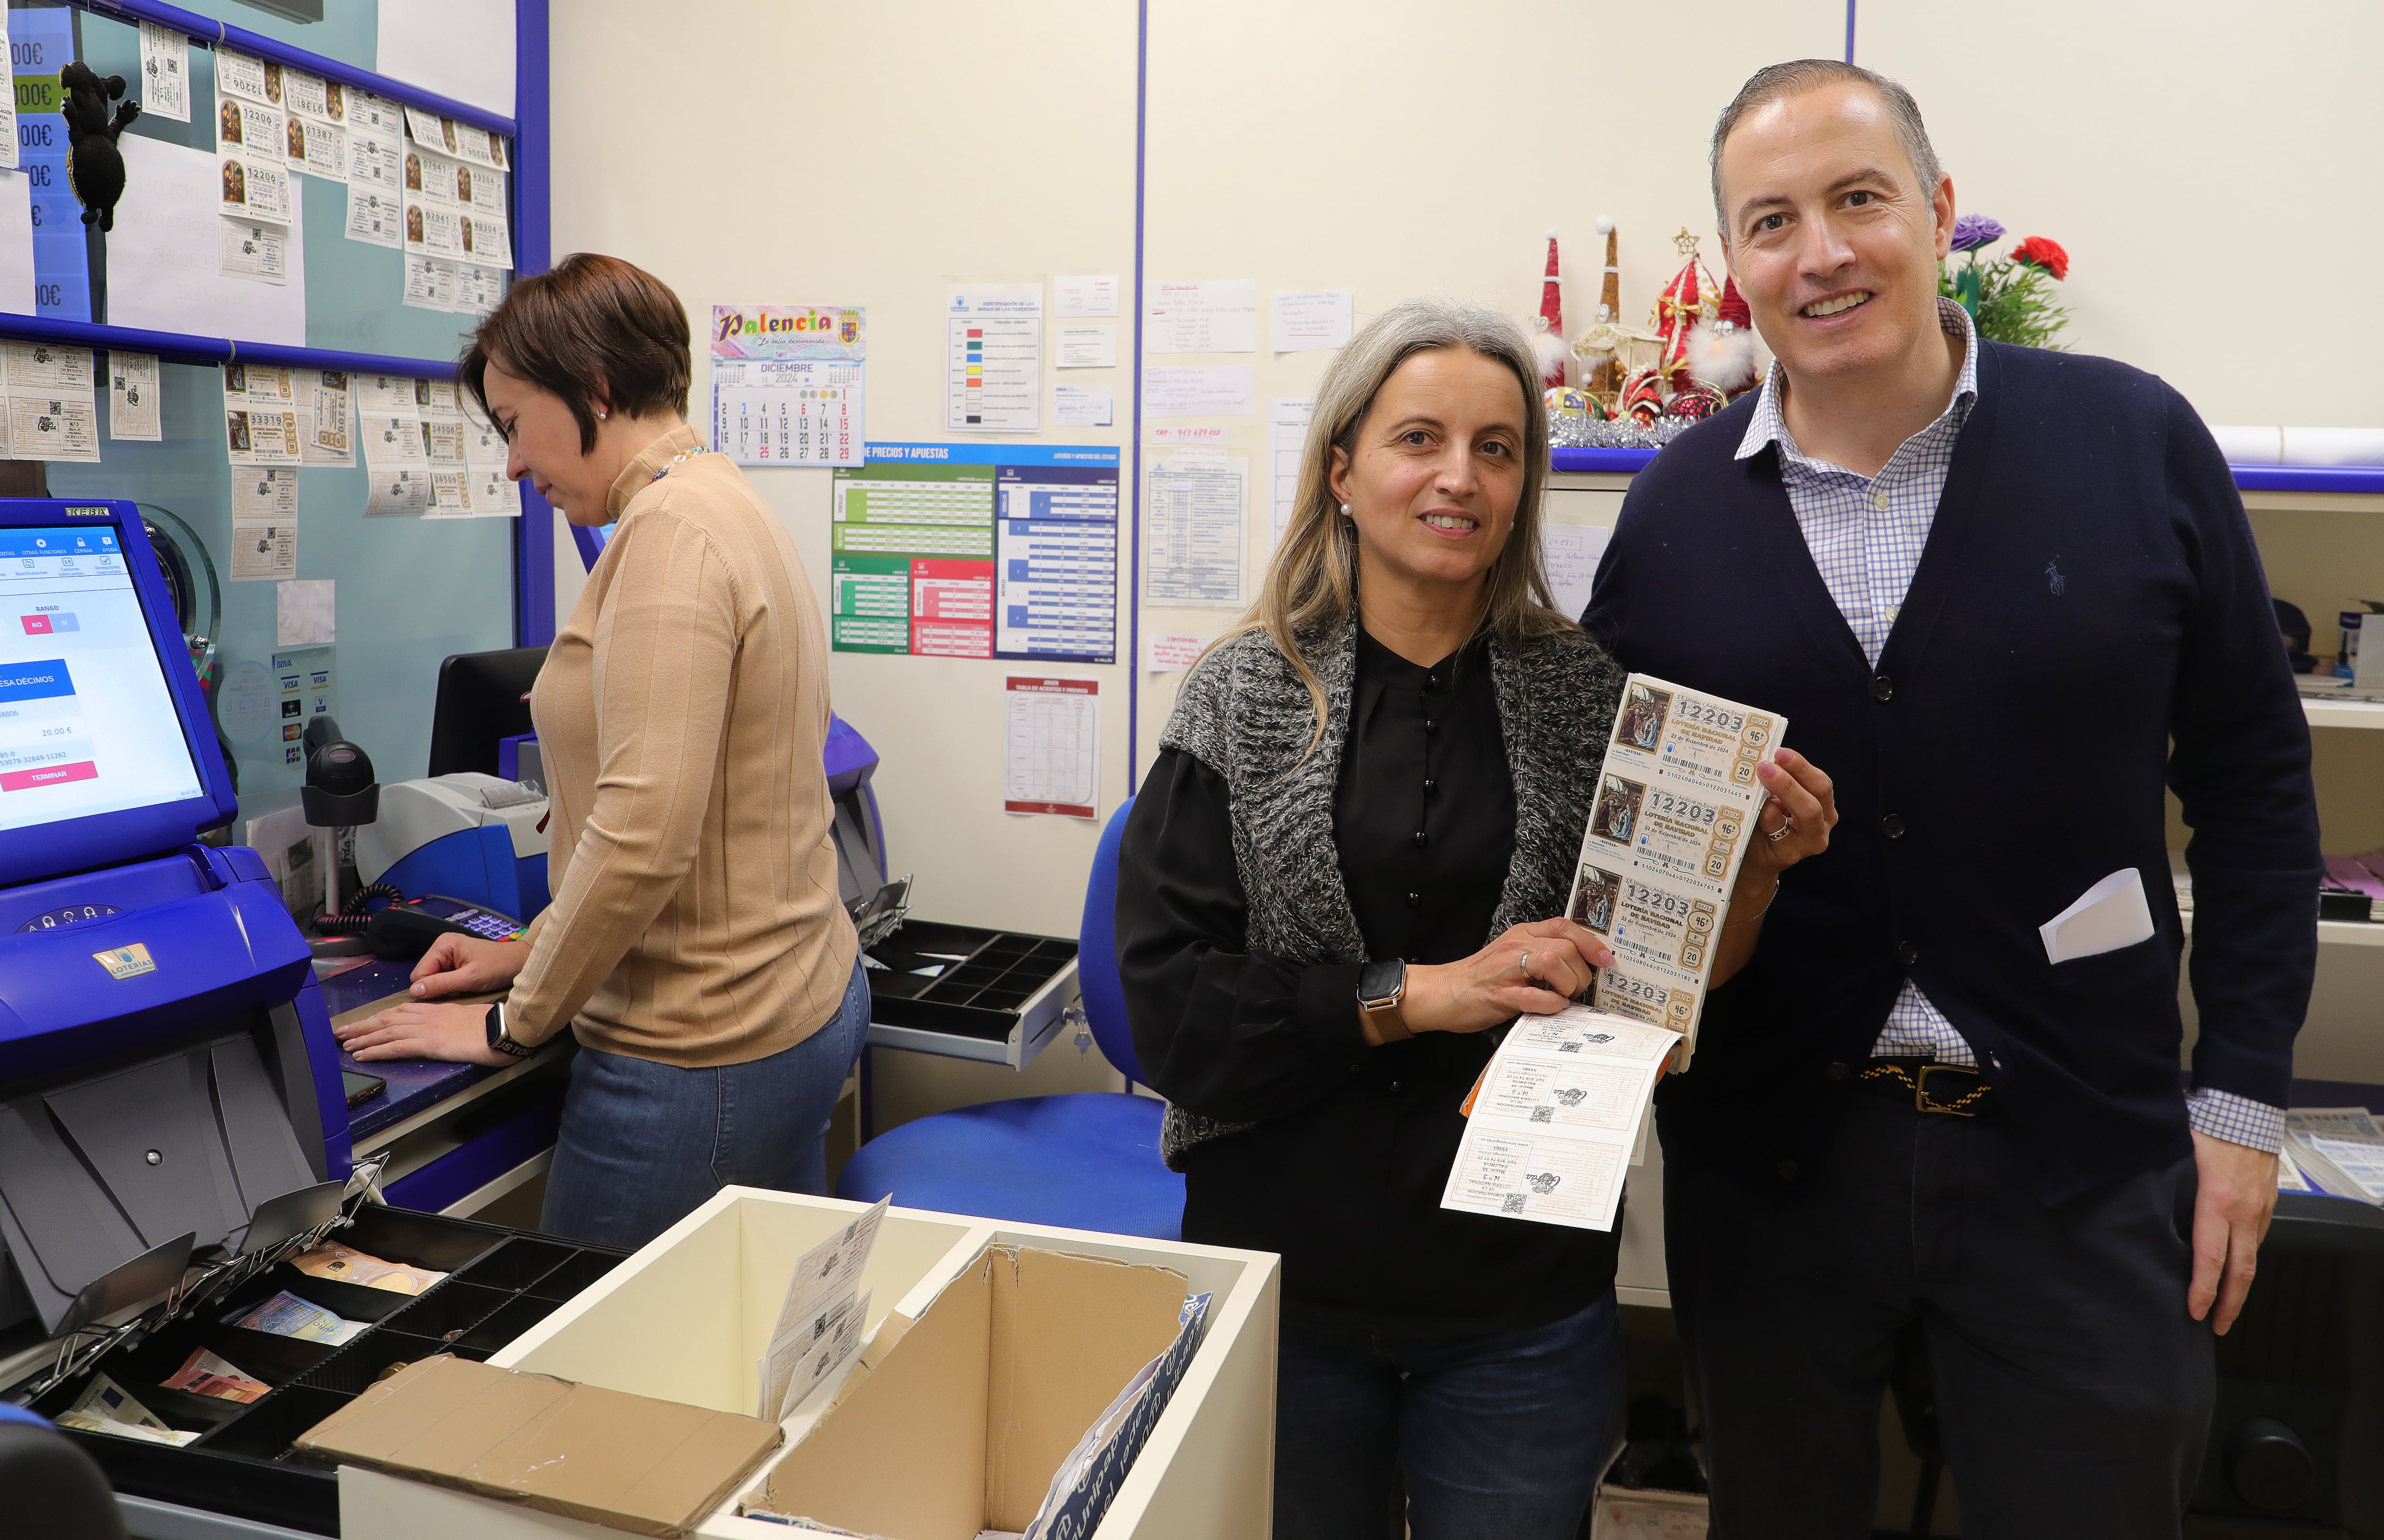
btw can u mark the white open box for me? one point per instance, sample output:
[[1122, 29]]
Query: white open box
[[688, 1317]]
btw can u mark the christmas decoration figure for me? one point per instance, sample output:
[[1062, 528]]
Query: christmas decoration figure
[[1547, 332], [1609, 349], [1567, 401], [1721, 352], [1696, 402], [1641, 396], [1683, 303]]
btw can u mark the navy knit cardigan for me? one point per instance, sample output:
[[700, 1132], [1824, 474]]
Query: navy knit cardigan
[[2089, 621]]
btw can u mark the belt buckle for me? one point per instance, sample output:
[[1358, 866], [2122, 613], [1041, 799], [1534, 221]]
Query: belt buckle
[[1921, 1102]]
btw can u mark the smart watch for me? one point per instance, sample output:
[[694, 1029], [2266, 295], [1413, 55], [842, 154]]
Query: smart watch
[[499, 1040], [1381, 987]]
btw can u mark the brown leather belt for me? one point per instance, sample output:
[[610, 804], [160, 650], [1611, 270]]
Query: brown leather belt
[[1959, 1090]]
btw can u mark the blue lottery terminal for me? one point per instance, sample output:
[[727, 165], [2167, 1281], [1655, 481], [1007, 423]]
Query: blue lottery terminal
[[168, 1082], [174, 1111]]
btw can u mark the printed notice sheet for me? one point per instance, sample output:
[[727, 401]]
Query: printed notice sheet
[[1217, 390], [994, 357], [788, 383], [1087, 347], [132, 408], [1287, 440], [1192, 522], [262, 552], [1311, 320], [397, 449], [7, 101], [1676, 805], [1082, 407], [52, 405], [1571, 552], [1208, 316], [164, 72], [1092, 294], [1551, 1126], [975, 550], [1051, 746]]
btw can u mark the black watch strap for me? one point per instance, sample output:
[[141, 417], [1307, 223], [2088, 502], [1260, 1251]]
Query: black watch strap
[[1381, 985], [500, 1039]]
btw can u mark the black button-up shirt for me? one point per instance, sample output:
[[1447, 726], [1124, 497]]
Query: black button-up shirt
[[1344, 1172]]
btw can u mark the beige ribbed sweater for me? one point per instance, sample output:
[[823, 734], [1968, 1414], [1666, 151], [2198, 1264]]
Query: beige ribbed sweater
[[681, 718]]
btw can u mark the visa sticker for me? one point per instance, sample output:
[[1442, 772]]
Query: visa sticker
[[126, 961]]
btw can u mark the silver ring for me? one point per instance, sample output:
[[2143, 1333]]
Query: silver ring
[[1525, 964], [1787, 826]]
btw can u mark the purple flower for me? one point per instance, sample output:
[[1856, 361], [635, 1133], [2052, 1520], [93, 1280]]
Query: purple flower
[[1973, 230]]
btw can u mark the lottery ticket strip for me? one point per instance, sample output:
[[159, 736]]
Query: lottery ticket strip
[[1555, 1122]]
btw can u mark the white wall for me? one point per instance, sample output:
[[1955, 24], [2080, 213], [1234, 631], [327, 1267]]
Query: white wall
[[751, 151], [2207, 166], [2210, 167], [1411, 147]]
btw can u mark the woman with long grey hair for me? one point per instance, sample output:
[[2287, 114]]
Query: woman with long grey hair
[[1350, 861]]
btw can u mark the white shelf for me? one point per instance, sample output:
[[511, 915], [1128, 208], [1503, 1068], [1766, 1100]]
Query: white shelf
[[2344, 713], [2347, 933]]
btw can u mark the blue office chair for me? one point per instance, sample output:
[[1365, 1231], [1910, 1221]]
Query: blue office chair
[[55, 1490], [1085, 1162]]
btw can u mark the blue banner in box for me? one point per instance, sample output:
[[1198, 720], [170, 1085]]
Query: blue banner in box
[[996, 454]]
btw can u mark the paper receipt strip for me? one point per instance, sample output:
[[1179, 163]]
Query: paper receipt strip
[[1556, 1118]]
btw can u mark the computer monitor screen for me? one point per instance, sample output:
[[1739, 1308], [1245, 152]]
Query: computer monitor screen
[[482, 697], [87, 724]]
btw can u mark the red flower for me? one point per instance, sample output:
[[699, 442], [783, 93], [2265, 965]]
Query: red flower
[[2037, 252]]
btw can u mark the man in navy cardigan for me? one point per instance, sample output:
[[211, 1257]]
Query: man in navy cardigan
[[2002, 595]]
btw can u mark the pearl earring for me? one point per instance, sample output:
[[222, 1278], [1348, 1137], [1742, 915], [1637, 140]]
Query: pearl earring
[[601, 415], [1345, 509]]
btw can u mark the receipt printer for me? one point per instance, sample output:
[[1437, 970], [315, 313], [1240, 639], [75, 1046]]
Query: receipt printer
[[467, 836]]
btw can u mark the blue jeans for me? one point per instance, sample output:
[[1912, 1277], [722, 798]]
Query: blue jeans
[[1501, 1437], [643, 1144]]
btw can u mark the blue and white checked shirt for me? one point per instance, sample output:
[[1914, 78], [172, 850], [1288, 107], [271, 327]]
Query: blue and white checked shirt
[[1866, 534]]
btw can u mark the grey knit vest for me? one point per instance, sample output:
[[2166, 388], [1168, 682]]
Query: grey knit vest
[[1244, 713]]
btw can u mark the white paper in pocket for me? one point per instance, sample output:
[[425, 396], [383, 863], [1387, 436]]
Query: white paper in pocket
[[2109, 916]]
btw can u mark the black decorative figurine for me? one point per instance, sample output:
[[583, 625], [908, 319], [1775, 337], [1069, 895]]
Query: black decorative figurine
[[94, 166]]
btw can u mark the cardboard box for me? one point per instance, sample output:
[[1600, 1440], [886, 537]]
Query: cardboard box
[[624, 1461], [686, 1318], [960, 1426]]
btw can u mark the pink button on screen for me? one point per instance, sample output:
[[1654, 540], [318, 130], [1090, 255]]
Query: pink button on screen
[[48, 775]]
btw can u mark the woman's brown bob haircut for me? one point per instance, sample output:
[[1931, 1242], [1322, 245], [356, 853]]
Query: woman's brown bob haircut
[[593, 331]]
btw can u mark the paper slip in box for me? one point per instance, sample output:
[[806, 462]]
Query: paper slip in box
[[960, 1425], [624, 1461]]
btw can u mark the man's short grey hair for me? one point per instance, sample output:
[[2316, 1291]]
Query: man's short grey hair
[[1776, 81]]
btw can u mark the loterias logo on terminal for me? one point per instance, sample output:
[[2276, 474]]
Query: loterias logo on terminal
[[126, 961]]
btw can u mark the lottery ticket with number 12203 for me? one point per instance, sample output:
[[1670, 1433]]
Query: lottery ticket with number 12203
[[1676, 805]]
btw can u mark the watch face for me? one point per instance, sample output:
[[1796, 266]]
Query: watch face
[[1380, 981]]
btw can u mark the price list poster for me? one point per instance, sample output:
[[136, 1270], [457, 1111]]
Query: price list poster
[[976, 550], [788, 384]]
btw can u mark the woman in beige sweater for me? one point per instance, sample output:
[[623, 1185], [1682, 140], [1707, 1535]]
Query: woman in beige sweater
[[697, 946]]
